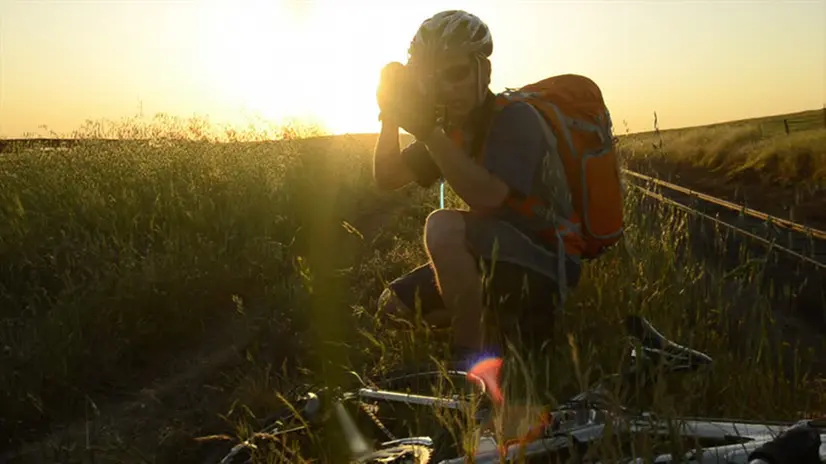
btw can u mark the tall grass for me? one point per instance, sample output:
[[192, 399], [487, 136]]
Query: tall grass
[[113, 258], [738, 149], [760, 372]]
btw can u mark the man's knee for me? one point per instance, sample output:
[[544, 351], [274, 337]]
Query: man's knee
[[444, 231]]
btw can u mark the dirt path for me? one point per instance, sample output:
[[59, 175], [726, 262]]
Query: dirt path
[[157, 422]]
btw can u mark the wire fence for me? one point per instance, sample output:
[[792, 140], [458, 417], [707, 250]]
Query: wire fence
[[808, 121]]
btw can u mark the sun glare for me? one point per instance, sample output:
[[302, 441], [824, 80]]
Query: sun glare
[[287, 59]]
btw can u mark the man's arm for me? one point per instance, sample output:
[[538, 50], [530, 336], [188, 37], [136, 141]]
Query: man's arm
[[389, 169], [473, 183], [394, 168], [514, 148]]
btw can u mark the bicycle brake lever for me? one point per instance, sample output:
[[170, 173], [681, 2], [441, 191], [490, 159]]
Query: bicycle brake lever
[[312, 407]]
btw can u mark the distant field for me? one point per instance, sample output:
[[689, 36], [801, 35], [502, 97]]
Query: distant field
[[125, 268], [753, 162], [801, 120], [759, 148]]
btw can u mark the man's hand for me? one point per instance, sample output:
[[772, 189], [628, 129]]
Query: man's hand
[[402, 102], [391, 75]]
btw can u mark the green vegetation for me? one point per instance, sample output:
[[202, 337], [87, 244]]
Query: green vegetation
[[127, 270], [754, 150]]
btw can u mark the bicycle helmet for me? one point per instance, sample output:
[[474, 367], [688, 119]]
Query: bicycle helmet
[[451, 32]]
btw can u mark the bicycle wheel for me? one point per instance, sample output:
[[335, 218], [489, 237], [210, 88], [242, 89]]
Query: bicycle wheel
[[445, 427], [284, 428], [299, 425]]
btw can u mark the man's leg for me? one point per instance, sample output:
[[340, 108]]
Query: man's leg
[[456, 240], [457, 276], [412, 292], [521, 303]]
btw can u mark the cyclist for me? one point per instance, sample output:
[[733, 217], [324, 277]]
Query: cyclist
[[497, 157], [454, 46]]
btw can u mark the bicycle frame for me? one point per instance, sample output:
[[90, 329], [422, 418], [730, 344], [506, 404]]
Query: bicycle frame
[[740, 437], [575, 425], [584, 426]]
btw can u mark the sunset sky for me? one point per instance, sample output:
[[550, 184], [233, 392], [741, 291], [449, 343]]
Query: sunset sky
[[63, 62]]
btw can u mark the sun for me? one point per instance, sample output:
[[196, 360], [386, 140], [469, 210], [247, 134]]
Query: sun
[[289, 59]]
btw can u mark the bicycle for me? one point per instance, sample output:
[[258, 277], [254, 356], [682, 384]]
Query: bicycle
[[573, 434]]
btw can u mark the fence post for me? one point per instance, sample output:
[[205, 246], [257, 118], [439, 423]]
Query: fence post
[[824, 115], [786, 125]]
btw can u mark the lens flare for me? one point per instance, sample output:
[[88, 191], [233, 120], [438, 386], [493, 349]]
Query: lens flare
[[488, 371]]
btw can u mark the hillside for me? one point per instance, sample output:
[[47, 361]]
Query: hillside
[[753, 162]]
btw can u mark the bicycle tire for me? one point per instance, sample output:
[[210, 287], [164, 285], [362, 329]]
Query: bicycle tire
[[277, 426], [401, 380]]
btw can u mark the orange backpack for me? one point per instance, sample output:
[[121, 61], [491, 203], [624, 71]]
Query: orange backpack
[[573, 108]]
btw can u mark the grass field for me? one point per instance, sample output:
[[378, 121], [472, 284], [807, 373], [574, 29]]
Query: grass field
[[122, 267], [758, 145], [751, 161]]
